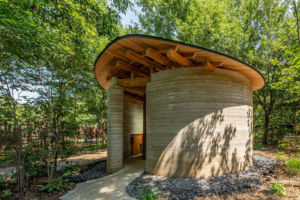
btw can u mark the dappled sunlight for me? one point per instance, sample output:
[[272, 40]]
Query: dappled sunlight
[[208, 146]]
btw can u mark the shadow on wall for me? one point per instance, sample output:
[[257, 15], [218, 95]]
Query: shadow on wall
[[209, 146]]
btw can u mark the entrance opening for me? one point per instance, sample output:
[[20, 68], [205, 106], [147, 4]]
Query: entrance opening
[[134, 127]]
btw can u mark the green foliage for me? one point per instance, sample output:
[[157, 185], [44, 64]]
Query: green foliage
[[149, 195], [288, 142], [257, 136], [262, 33], [293, 166], [5, 194], [69, 171], [2, 182], [281, 155], [48, 49], [91, 147], [258, 146], [55, 184], [278, 188]]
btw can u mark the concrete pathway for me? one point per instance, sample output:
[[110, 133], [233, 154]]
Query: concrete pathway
[[112, 187]]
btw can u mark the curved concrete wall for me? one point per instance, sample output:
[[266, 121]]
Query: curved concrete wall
[[199, 123]]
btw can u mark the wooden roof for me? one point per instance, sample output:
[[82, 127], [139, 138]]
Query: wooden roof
[[132, 59]]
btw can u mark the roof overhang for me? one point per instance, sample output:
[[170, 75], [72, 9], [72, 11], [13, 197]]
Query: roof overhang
[[132, 59]]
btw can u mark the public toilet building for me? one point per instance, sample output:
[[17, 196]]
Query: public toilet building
[[187, 109]]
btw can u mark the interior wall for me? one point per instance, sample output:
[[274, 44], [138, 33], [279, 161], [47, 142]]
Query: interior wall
[[133, 122]]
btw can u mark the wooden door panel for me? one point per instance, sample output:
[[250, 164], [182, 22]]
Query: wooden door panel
[[136, 141]]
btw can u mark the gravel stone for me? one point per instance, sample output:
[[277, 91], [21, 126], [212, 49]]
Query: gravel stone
[[191, 188], [92, 171]]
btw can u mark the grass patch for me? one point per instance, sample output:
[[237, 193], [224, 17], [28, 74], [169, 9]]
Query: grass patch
[[149, 195], [293, 166], [279, 189]]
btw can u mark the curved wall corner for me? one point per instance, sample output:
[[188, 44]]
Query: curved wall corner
[[199, 123]]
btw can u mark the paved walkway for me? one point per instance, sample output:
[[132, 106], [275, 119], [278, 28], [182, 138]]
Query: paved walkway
[[112, 187]]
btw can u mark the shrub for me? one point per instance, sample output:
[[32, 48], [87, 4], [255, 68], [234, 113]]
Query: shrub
[[293, 165], [288, 142], [281, 156], [278, 188], [149, 195], [5, 194], [2, 182], [257, 136], [56, 184], [258, 146]]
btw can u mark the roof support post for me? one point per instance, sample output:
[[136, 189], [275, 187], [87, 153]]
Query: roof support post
[[115, 127]]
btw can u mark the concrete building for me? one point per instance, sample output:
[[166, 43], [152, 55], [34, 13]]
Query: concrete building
[[188, 110]]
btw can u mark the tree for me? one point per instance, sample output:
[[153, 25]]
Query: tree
[[48, 47], [258, 32]]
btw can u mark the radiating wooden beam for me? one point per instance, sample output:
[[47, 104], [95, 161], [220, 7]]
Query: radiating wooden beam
[[136, 90], [138, 58], [133, 82], [127, 67], [176, 57], [158, 57], [209, 67], [115, 73], [196, 56], [142, 60], [165, 48]]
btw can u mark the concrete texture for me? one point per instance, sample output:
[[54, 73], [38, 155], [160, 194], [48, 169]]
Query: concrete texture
[[133, 122], [112, 187], [199, 123], [115, 127]]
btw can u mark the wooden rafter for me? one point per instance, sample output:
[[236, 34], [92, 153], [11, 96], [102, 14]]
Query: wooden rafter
[[136, 90], [165, 48], [142, 60], [133, 82], [115, 73], [138, 58], [176, 57], [196, 56], [130, 68], [158, 57], [209, 66]]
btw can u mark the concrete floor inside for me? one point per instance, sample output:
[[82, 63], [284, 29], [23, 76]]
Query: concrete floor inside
[[110, 187]]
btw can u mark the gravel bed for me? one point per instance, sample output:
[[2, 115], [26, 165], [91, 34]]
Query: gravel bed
[[92, 171], [190, 188]]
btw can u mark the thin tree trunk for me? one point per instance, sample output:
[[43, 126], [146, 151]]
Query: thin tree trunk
[[266, 128], [297, 20]]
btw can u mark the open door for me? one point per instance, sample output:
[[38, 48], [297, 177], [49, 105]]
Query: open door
[[136, 141]]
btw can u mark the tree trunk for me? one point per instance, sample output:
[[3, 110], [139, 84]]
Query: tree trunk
[[266, 128], [297, 20]]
